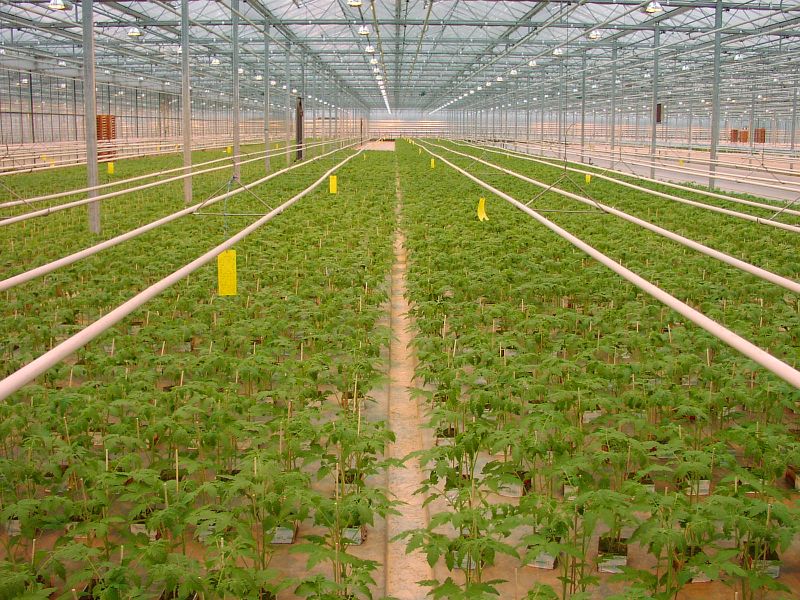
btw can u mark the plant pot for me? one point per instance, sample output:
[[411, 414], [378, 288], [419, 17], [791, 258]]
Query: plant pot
[[141, 529], [445, 436], [699, 487], [768, 563], [355, 535], [590, 415], [612, 553], [13, 527], [792, 477], [284, 534], [570, 492], [544, 560], [678, 563]]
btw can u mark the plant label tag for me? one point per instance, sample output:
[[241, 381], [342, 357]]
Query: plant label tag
[[332, 184], [226, 273]]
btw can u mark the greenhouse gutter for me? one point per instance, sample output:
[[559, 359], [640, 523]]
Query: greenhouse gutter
[[29, 372], [769, 276], [750, 350]]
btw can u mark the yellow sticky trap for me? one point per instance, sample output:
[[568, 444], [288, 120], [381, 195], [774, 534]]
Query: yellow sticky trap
[[110, 167], [226, 273], [680, 162], [482, 216], [229, 150], [433, 163], [158, 148], [43, 157], [588, 178], [419, 150], [332, 184]]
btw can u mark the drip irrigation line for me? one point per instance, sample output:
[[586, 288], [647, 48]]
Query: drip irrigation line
[[29, 372], [124, 237], [718, 209], [747, 348]]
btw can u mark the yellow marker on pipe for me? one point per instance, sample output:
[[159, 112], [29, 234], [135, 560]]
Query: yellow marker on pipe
[[433, 163], [226, 273], [482, 216], [588, 178], [110, 167], [332, 184]]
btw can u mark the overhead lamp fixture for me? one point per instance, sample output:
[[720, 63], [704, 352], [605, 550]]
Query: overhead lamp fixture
[[294, 90], [488, 84], [259, 78], [480, 87], [594, 35], [134, 32], [512, 72], [373, 61], [558, 52], [739, 57], [214, 61], [653, 7], [57, 5], [363, 30], [369, 49], [531, 63], [240, 71], [62, 63], [499, 79], [272, 82], [354, 3]]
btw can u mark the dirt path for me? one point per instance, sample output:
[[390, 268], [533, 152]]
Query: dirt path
[[403, 570]]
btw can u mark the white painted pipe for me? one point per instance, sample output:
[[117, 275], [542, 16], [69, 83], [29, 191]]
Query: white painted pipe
[[750, 350], [677, 186], [67, 205], [26, 201], [717, 209], [29, 372], [788, 284], [11, 282]]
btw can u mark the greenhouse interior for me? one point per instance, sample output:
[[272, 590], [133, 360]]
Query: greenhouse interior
[[399, 299]]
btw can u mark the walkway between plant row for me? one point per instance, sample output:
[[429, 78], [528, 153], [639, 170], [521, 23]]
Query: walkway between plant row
[[403, 570]]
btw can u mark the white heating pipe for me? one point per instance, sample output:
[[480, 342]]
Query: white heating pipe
[[788, 284], [29, 372], [524, 156], [57, 195], [724, 211], [6, 284], [750, 350]]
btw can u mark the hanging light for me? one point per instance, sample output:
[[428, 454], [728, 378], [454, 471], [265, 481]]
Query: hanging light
[[62, 63], [739, 57], [354, 3], [531, 63], [558, 52], [376, 70], [369, 49], [653, 7], [134, 32], [240, 70], [259, 78], [594, 35], [294, 90], [57, 5], [363, 30], [499, 79], [273, 83], [512, 72], [373, 61]]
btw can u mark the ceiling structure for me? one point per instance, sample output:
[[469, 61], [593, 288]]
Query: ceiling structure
[[431, 56]]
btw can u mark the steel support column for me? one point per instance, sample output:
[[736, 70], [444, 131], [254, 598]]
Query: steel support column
[[267, 88], [613, 98], [715, 94], [235, 83], [288, 115], [186, 103], [90, 112], [583, 107], [654, 108]]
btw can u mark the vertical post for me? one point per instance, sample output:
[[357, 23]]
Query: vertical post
[[186, 106], [300, 119], [90, 111], [691, 117], [654, 110], [288, 104], [235, 49], [583, 107], [267, 88], [793, 125], [613, 97], [715, 94]]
